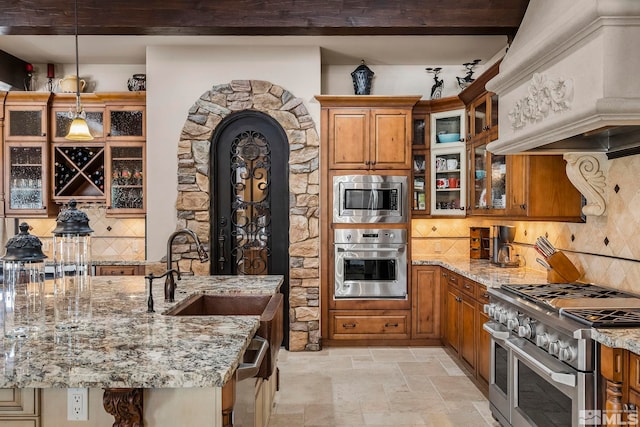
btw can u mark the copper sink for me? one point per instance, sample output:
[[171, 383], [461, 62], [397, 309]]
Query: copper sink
[[268, 307]]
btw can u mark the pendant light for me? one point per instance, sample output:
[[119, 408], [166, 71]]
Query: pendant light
[[79, 129]]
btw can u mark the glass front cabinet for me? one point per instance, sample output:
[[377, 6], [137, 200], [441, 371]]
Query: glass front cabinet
[[125, 182], [448, 178], [26, 155], [448, 163], [448, 129], [488, 180], [26, 179]]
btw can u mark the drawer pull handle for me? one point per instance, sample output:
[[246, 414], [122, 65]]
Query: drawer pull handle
[[467, 286], [390, 325], [348, 325], [485, 295]]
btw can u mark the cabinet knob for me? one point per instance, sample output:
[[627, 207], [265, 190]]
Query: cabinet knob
[[367, 162], [389, 325], [44, 134], [523, 206], [348, 325]]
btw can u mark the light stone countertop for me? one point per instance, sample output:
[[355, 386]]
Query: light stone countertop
[[124, 346], [484, 272]]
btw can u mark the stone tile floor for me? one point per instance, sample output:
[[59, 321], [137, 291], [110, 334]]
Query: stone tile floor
[[376, 386]]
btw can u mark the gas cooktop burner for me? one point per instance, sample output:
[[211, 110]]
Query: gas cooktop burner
[[547, 292], [605, 318]]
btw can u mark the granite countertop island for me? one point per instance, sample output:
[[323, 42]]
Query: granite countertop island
[[126, 347]]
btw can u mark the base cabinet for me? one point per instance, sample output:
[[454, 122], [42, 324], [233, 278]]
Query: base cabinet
[[120, 270], [620, 372], [425, 302], [463, 317], [19, 407]]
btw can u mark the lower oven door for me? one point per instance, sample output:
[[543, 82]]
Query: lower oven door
[[370, 271], [547, 392], [500, 373]]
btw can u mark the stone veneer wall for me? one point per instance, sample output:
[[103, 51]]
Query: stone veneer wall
[[193, 203]]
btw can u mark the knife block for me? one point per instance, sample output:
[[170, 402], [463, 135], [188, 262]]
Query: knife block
[[562, 269]]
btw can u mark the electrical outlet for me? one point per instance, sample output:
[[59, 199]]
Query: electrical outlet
[[437, 247], [78, 404]]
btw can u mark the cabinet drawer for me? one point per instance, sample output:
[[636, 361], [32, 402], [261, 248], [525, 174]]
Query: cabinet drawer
[[19, 402], [482, 295], [19, 422], [455, 280], [468, 287], [119, 270], [370, 324]]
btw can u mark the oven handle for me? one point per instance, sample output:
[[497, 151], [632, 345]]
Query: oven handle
[[371, 249], [559, 377], [495, 334]]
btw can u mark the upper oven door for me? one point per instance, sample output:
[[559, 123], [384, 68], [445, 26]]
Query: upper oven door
[[369, 199], [371, 271]]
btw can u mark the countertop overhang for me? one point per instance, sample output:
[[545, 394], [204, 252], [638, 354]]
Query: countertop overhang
[[126, 347]]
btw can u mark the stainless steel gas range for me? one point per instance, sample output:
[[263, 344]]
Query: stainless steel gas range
[[543, 360]]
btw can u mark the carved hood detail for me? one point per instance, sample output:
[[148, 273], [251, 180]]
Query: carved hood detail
[[567, 82]]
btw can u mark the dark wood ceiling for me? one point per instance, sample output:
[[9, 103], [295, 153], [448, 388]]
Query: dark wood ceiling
[[263, 17]]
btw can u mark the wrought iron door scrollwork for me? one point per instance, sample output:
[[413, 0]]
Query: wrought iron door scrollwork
[[251, 204]]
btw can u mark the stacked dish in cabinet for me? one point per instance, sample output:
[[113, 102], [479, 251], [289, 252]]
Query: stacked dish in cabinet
[[448, 178]]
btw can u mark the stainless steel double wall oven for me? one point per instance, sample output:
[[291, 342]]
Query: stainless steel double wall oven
[[370, 262]]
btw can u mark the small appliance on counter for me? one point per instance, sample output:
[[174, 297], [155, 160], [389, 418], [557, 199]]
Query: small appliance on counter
[[503, 254]]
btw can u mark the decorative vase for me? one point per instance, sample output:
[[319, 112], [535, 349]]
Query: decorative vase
[[362, 77], [69, 84], [137, 82]]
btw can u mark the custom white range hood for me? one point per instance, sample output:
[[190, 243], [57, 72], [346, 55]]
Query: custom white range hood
[[570, 81]]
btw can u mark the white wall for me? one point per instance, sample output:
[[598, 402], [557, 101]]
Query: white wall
[[394, 79], [176, 78]]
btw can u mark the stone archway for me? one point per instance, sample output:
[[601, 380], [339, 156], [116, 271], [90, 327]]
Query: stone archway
[[193, 204]]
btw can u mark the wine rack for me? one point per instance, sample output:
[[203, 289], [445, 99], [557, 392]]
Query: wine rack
[[78, 172]]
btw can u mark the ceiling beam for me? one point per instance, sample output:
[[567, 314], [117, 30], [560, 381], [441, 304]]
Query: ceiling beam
[[263, 17]]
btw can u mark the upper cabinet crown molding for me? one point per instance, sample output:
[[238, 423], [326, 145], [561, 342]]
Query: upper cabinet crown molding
[[379, 101]]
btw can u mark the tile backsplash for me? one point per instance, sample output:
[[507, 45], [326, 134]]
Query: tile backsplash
[[113, 239], [606, 249]]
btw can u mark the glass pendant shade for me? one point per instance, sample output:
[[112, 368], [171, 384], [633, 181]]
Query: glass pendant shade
[[23, 299], [72, 260], [79, 130]]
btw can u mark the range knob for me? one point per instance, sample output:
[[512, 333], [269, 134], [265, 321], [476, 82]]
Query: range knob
[[512, 323], [543, 340], [503, 316], [526, 331], [554, 347], [567, 354], [496, 314], [489, 309]]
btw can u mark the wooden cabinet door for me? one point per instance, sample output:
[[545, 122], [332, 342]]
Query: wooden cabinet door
[[348, 138], [468, 331], [483, 347], [517, 194], [426, 302], [389, 146], [453, 318]]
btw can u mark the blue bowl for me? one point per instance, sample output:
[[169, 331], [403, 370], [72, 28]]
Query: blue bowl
[[449, 137], [481, 174]]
